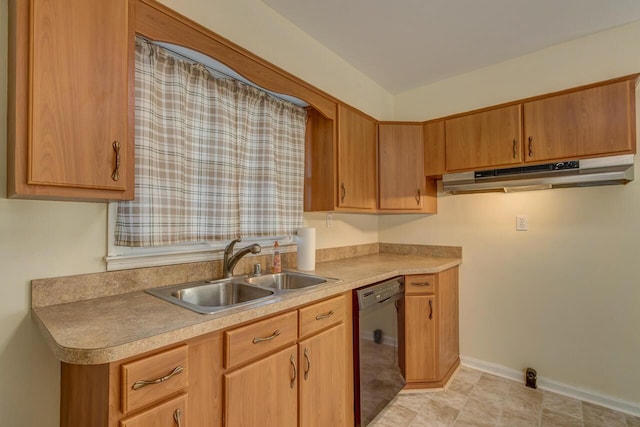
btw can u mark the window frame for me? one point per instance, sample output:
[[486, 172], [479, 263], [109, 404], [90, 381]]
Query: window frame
[[125, 257]]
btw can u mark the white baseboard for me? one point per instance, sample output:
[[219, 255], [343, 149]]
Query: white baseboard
[[555, 386]]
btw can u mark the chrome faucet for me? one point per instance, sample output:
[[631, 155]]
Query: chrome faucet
[[231, 259]]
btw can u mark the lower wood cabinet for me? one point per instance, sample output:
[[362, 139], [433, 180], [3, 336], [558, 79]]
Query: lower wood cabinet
[[264, 393], [432, 351], [323, 362], [172, 413], [291, 369], [309, 383]]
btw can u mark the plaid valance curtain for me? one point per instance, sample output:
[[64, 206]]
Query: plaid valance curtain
[[215, 157]]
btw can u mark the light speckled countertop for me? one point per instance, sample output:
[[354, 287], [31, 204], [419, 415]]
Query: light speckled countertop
[[111, 328]]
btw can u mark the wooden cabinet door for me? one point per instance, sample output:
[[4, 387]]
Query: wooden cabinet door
[[73, 107], [323, 368], [599, 120], [356, 160], [448, 313], [264, 393], [434, 148], [420, 338], [484, 140], [401, 166], [169, 414]]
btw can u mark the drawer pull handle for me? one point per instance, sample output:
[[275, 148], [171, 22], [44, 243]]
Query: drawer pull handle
[[421, 284], [307, 368], [430, 309], [344, 192], [177, 417], [116, 174], [324, 316], [530, 146], [295, 372], [269, 338], [418, 196], [143, 383], [515, 148]]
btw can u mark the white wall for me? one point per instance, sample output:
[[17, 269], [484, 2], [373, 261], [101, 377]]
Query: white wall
[[563, 297], [49, 239]]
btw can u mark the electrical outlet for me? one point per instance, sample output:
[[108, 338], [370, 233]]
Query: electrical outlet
[[329, 220], [522, 223]]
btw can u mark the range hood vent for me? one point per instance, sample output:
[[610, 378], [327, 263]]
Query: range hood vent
[[575, 173]]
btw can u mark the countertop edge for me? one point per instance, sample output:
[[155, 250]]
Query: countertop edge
[[96, 356]]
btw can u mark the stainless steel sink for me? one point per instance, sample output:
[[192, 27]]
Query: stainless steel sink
[[210, 297], [288, 281]]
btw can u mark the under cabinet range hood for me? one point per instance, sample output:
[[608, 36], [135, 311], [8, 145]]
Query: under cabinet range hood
[[575, 173]]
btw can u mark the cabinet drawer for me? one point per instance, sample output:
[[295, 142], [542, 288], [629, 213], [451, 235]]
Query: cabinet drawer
[[169, 414], [319, 316], [150, 379], [252, 341], [420, 284]]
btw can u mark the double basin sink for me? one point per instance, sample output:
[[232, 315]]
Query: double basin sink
[[209, 297]]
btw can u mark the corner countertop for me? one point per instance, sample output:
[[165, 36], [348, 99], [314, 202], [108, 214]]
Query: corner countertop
[[107, 329]]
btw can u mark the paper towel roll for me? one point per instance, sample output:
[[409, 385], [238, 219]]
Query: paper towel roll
[[307, 248]]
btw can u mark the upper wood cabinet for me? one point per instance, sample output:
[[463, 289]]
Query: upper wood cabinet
[[434, 149], [595, 121], [402, 182], [485, 139], [588, 121], [356, 160], [70, 121]]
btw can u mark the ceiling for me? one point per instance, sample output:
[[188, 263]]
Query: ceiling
[[404, 44]]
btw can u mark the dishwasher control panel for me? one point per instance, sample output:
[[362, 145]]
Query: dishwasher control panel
[[379, 292]]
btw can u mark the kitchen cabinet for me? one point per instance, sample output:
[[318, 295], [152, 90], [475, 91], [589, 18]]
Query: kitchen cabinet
[[595, 121], [434, 149], [588, 121], [402, 182], [70, 100], [488, 138], [340, 162], [431, 329], [181, 382], [308, 383], [172, 413], [264, 393], [356, 160]]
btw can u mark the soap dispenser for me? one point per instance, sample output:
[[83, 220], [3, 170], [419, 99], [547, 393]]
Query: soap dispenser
[[277, 261]]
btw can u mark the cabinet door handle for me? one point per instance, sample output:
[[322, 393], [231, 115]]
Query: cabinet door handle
[[515, 148], [307, 368], [418, 196], [177, 417], [530, 146], [430, 309], [257, 340], [343, 190], [421, 284], [324, 316], [294, 373], [143, 383], [116, 174]]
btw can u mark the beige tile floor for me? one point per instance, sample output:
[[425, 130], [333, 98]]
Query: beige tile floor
[[474, 398]]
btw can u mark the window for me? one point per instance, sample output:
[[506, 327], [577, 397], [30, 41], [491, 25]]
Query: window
[[215, 158]]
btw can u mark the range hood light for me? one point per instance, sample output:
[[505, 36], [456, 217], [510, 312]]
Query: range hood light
[[517, 189]]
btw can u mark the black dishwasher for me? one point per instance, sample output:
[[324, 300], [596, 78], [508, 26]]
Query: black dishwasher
[[378, 343]]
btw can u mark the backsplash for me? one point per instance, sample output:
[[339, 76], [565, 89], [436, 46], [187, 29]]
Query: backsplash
[[60, 290]]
